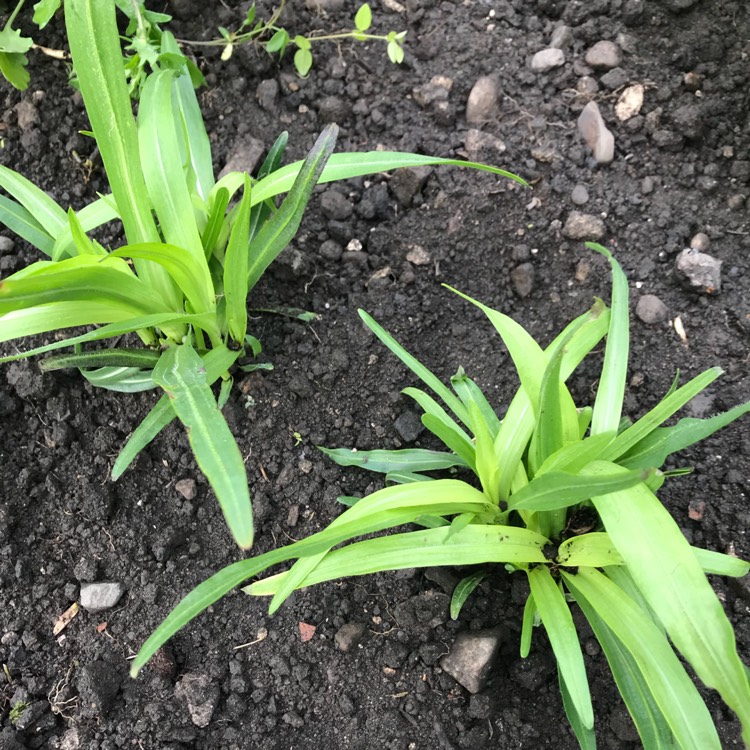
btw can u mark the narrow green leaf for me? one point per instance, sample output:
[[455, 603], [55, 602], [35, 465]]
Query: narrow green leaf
[[215, 222], [647, 716], [594, 550], [611, 391], [430, 380], [473, 545], [187, 273], [143, 358], [669, 576], [464, 589], [660, 413], [236, 269], [719, 564], [95, 48], [261, 211], [467, 390], [527, 626], [90, 217], [585, 735], [558, 622], [559, 489], [672, 689], [654, 449], [279, 230], [121, 379], [573, 457], [22, 222], [82, 243], [182, 375], [484, 454], [45, 211], [410, 459]]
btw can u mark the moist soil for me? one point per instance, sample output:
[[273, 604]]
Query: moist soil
[[385, 244]]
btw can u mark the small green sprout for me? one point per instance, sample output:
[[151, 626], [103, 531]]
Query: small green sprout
[[561, 494], [16, 711]]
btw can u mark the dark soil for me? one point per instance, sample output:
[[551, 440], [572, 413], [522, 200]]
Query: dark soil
[[63, 521]]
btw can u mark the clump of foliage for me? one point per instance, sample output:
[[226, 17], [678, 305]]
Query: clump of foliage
[[182, 279], [144, 52], [563, 495]]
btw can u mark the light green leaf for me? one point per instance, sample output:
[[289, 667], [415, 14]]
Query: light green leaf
[[464, 589], [12, 42], [594, 550], [669, 576], [395, 52], [363, 18], [182, 375], [14, 68], [303, 61], [527, 626], [120, 379], [585, 735], [409, 459], [558, 622], [611, 391], [279, 230], [236, 269], [21, 221], [672, 689], [44, 10]]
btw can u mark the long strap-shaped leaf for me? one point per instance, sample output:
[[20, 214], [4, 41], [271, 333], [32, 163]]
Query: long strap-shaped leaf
[[374, 516], [669, 576], [346, 166], [648, 717], [95, 48], [21, 221], [558, 622], [181, 374], [611, 391], [278, 231], [472, 545], [236, 269], [408, 459], [666, 678]]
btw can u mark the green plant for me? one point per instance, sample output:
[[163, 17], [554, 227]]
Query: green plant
[[194, 259], [278, 38], [567, 498], [16, 711]]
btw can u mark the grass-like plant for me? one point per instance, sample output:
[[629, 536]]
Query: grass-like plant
[[561, 494], [191, 258]]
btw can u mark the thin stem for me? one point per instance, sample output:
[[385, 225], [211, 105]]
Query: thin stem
[[16, 11]]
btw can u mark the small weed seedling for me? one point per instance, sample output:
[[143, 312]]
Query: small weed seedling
[[182, 280], [567, 498]]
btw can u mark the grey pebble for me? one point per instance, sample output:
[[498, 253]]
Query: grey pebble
[[547, 59], [699, 271], [244, 156], [603, 55], [406, 183], [579, 195], [187, 488], [615, 79], [596, 134], [580, 226], [651, 310], [201, 695], [335, 205], [522, 278], [482, 103], [587, 86], [331, 250], [561, 37], [700, 241], [349, 635], [267, 93], [409, 426], [471, 658], [98, 597]]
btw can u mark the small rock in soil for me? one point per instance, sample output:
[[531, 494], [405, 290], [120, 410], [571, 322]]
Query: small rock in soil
[[595, 133], [689, 121], [650, 309], [336, 206], [523, 279], [98, 597], [348, 636], [244, 156], [435, 90], [332, 109], [562, 37], [187, 488], [409, 426], [85, 570], [736, 202], [406, 183], [615, 79], [417, 255], [201, 695], [482, 103], [622, 725], [603, 55], [587, 87], [331, 250], [471, 658], [630, 102], [699, 271], [700, 242], [696, 509], [27, 114], [32, 717], [579, 195], [98, 685], [477, 142], [579, 226], [668, 140], [267, 93], [547, 59]]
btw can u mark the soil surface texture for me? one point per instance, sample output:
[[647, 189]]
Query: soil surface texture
[[677, 176]]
